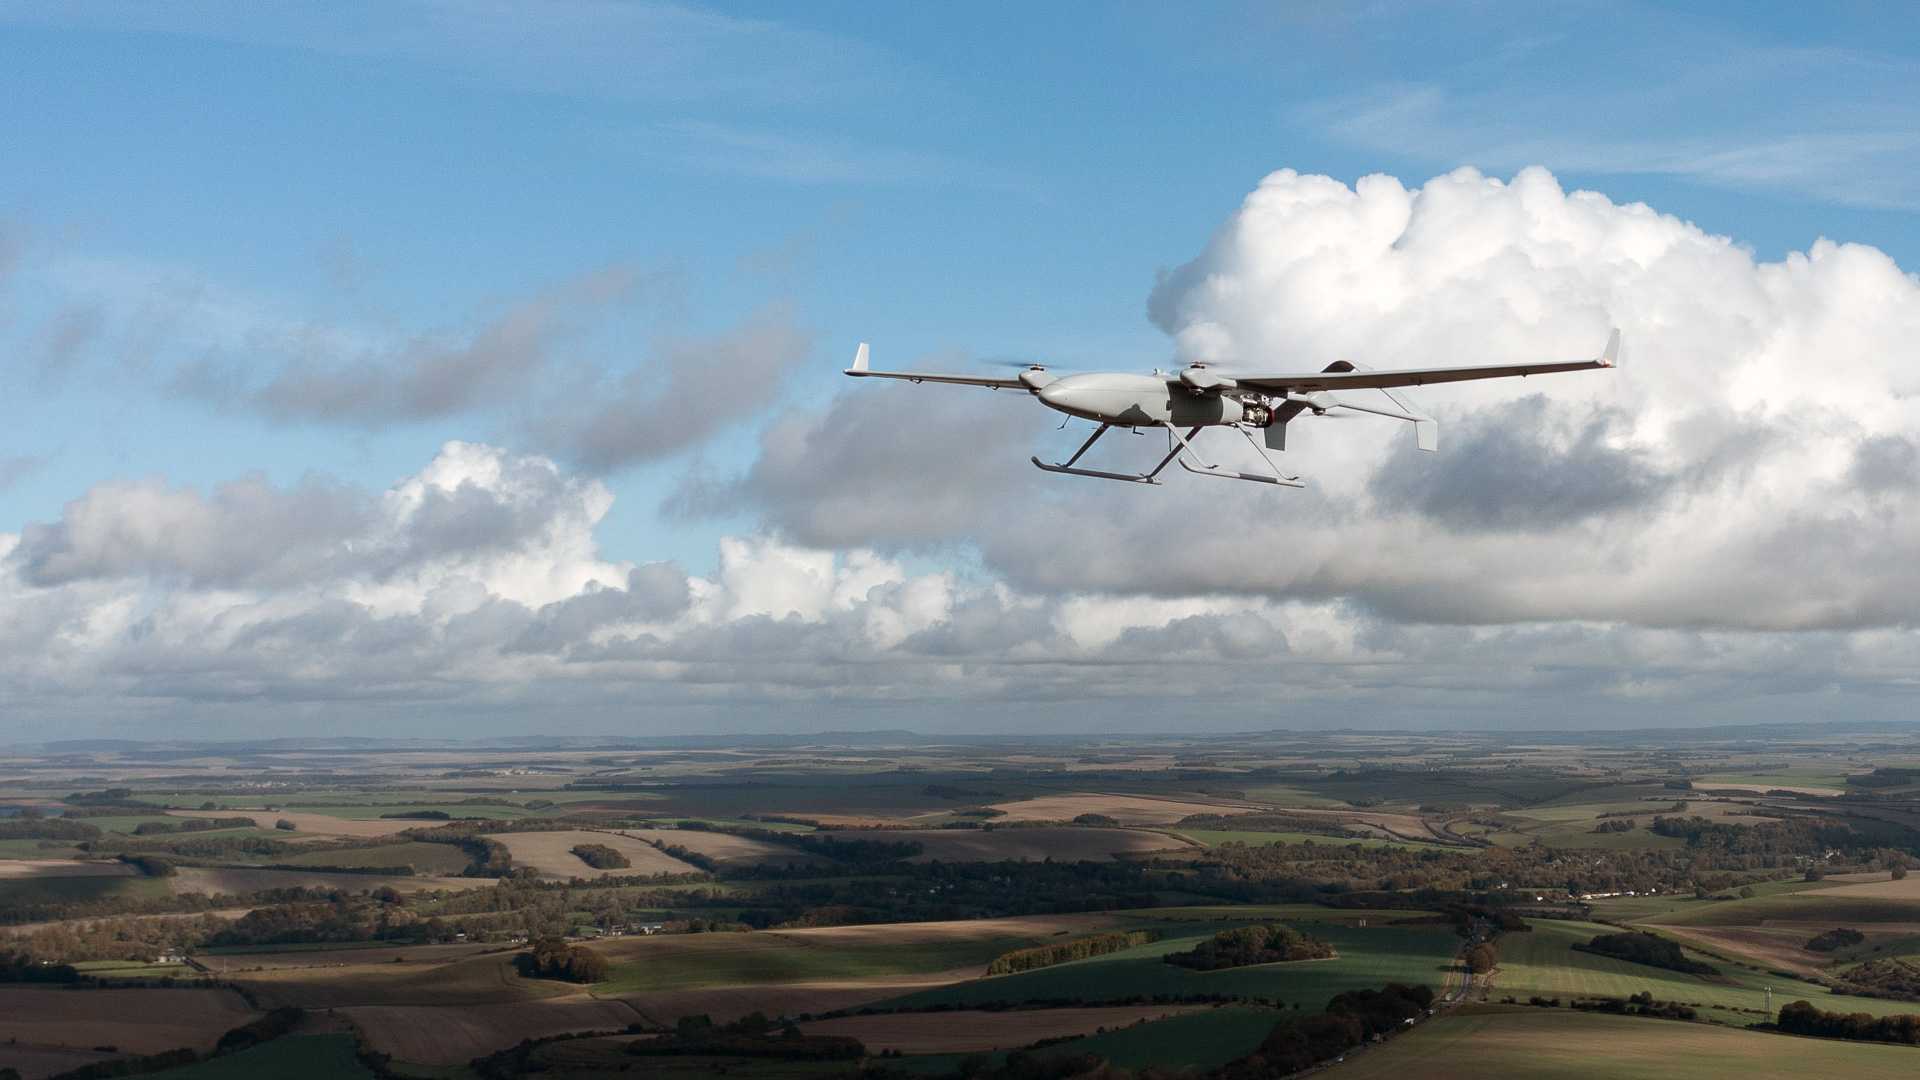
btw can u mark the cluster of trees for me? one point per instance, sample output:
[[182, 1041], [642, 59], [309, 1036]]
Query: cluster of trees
[[751, 1036], [1638, 947], [1349, 1020], [1483, 957], [1885, 777], [1617, 825], [36, 827], [1896, 979], [1803, 1018], [1640, 1004], [1838, 938], [1265, 944], [18, 967], [601, 857], [1066, 951], [489, 857], [553, 958]]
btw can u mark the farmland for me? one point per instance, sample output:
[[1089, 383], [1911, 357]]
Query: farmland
[[942, 857], [136, 1021], [1495, 1043], [551, 853]]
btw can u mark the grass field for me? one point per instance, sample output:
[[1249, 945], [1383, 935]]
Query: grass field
[[293, 1057], [214, 880], [424, 858], [1543, 962], [1207, 1038], [1367, 958], [1496, 1043], [67, 890], [970, 1031], [1842, 906]]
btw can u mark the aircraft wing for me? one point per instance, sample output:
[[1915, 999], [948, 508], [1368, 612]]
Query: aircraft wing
[[1341, 375], [861, 370]]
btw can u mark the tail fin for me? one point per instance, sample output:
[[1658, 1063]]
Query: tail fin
[[859, 359]]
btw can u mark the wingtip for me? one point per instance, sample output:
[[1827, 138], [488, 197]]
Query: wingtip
[[1611, 357]]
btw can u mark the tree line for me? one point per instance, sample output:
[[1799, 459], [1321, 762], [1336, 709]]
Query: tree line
[[1267, 943]]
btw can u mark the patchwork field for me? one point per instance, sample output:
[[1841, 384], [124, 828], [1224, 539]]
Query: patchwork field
[[444, 859], [443, 1035], [294, 1057], [961, 1031], [1509, 1043], [1035, 844], [551, 853], [135, 1021]]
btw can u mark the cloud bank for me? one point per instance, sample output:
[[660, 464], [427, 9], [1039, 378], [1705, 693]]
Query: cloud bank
[[1720, 529]]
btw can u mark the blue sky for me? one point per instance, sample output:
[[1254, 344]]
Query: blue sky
[[198, 198]]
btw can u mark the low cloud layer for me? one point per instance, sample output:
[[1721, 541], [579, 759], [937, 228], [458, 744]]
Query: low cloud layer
[[1719, 530]]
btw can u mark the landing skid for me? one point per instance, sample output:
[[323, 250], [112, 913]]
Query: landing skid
[[1178, 446]]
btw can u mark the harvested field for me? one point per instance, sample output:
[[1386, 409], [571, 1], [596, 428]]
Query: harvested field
[[442, 1035], [729, 850], [902, 956], [12, 869], [479, 980], [214, 880], [1013, 845], [1884, 889], [1126, 809], [551, 853], [136, 1021], [962, 1031], [308, 823], [1485, 1042], [1775, 947]]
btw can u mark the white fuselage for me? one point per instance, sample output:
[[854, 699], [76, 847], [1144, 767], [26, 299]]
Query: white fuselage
[[1138, 401]]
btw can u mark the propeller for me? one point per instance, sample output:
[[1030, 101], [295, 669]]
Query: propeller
[[1009, 362]]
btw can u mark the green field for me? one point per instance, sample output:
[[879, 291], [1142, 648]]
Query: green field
[[1496, 1043], [68, 890], [1367, 957], [1817, 777], [293, 1057], [1543, 962], [424, 858], [765, 958], [1805, 905], [1205, 1039]]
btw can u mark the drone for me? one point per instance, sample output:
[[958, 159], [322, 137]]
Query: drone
[[1198, 397]]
